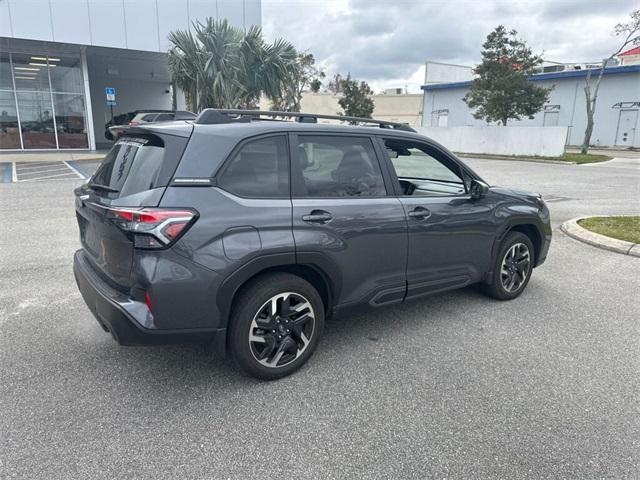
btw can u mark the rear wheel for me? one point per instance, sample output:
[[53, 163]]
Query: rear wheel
[[513, 267], [276, 323]]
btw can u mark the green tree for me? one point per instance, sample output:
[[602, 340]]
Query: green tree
[[222, 66], [630, 34], [356, 98], [501, 90], [303, 75]]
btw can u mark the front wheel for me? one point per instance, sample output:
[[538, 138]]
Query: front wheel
[[512, 269], [276, 324]]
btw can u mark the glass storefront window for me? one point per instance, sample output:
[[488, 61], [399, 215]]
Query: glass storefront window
[[65, 75], [30, 75], [47, 105], [5, 72], [36, 119], [70, 122], [9, 133]]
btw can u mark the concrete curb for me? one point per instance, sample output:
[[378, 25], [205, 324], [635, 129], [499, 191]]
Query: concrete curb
[[513, 159], [575, 231]]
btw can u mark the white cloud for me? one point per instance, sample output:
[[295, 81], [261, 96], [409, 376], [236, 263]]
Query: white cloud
[[387, 42]]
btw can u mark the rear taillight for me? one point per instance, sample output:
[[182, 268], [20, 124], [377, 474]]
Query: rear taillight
[[153, 227], [133, 124]]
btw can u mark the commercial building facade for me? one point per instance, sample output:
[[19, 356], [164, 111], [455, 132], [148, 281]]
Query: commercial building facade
[[57, 57], [617, 116]]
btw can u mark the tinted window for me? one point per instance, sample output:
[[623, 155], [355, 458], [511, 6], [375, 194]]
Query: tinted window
[[260, 169], [163, 117], [338, 167], [149, 117], [424, 171], [132, 165]]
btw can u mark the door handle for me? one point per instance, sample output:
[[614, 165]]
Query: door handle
[[317, 216], [419, 213]]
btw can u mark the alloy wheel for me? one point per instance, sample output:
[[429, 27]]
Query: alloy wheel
[[281, 329], [515, 268]]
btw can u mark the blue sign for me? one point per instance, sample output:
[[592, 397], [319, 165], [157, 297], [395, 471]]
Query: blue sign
[[110, 92]]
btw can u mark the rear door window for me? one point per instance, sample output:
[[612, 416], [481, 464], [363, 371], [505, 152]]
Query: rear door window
[[335, 166], [164, 117], [132, 165], [260, 169]]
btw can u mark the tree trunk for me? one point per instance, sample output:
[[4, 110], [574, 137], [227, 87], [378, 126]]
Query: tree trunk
[[587, 133]]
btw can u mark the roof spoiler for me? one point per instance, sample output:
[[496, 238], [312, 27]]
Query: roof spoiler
[[212, 116]]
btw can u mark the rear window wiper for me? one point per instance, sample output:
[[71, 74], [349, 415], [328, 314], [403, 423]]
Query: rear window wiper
[[106, 188]]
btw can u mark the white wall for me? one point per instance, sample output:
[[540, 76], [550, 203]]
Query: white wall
[[436, 72], [131, 24], [540, 141], [567, 93]]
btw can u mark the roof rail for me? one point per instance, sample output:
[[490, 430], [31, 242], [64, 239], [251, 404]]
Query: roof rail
[[210, 116]]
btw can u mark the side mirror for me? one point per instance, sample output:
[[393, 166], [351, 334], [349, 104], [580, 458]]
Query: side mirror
[[478, 189]]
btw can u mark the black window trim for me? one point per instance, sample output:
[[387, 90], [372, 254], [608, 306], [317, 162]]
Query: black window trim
[[215, 178], [429, 146], [296, 192]]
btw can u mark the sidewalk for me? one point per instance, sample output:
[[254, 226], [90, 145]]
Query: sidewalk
[[58, 156], [612, 152]]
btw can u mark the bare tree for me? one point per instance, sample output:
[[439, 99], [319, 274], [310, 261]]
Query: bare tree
[[630, 32]]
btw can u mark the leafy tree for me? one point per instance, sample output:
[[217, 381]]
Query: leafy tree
[[304, 74], [335, 85], [356, 98], [501, 90], [226, 67], [630, 33]]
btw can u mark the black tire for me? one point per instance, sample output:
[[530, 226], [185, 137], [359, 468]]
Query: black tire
[[497, 288], [247, 308]]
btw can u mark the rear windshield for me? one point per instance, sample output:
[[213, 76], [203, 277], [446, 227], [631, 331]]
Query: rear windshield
[[132, 165]]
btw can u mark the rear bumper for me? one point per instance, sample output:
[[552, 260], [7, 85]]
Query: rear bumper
[[116, 314]]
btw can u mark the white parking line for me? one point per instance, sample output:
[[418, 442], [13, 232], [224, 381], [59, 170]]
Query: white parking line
[[33, 171], [47, 177], [37, 172], [30, 166], [75, 170]]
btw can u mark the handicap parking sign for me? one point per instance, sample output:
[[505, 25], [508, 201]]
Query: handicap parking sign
[[110, 92]]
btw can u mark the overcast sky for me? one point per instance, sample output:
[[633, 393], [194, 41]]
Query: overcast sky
[[387, 42]]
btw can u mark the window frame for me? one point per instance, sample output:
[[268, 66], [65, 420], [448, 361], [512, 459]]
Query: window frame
[[450, 161], [299, 191], [216, 177]]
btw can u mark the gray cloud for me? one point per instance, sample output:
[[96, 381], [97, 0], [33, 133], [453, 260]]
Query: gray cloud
[[388, 41]]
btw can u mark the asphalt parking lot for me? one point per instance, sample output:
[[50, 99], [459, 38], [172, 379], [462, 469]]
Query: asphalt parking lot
[[453, 386]]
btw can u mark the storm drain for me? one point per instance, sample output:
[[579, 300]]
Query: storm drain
[[34, 171]]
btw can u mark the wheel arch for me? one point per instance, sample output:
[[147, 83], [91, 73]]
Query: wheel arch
[[312, 273], [525, 226]]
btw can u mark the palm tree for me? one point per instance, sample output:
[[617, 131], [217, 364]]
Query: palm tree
[[222, 66]]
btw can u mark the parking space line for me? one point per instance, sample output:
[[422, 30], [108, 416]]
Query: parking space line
[[37, 172], [74, 167], [14, 174], [67, 174], [30, 166], [32, 171]]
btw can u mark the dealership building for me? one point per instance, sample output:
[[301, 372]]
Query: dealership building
[[58, 57], [616, 119]]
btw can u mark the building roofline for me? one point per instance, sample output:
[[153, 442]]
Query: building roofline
[[545, 76]]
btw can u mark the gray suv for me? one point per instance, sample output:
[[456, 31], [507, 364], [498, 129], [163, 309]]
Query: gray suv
[[245, 232]]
